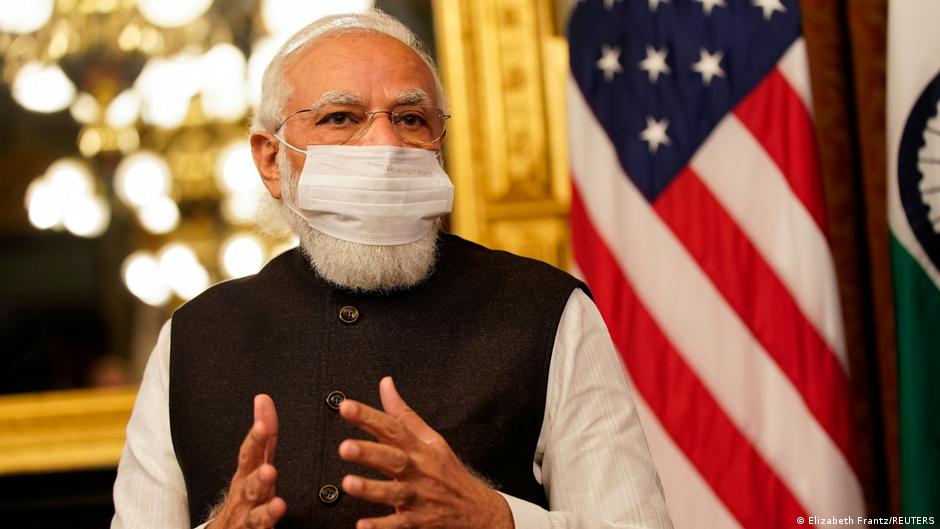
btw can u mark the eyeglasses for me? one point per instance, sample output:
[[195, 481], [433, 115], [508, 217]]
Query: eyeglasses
[[336, 124]]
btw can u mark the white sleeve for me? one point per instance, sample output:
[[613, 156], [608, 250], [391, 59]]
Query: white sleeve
[[591, 458], [149, 490]]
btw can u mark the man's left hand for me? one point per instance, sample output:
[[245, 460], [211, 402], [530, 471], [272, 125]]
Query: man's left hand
[[430, 487]]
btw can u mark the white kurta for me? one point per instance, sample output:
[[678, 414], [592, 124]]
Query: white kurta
[[591, 455]]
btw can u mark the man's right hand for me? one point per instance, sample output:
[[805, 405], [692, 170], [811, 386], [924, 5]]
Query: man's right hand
[[250, 502]]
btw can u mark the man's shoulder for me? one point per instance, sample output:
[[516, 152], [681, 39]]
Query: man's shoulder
[[486, 261], [244, 291], [476, 253]]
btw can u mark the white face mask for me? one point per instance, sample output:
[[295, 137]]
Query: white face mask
[[376, 195]]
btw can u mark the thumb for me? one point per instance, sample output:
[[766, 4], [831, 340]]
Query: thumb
[[393, 404]]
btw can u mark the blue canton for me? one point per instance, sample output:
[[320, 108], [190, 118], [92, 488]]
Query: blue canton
[[712, 62]]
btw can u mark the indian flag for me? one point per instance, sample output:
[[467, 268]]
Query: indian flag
[[913, 122]]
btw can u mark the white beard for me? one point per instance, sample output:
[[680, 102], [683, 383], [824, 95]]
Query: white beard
[[358, 267]]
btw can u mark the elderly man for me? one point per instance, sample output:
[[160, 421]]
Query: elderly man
[[518, 410]]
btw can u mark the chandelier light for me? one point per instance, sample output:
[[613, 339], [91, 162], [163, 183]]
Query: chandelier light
[[87, 216], [42, 205], [242, 255], [19, 16], [141, 274], [284, 17], [123, 110], [142, 177], [43, 88], [181, 270], [85, 109], [172, 13], [161, 91], [65, 196], [159, 215]]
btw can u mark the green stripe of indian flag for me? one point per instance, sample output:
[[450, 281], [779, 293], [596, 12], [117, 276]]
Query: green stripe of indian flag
[[917, 311]]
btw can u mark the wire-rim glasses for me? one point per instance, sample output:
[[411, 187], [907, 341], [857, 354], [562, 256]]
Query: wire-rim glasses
[[336, 124]]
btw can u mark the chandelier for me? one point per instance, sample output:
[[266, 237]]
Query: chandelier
[[162, 91]]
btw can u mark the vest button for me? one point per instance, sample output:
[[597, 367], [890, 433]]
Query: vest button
[[329, 494], [334, 399], [348, 314]]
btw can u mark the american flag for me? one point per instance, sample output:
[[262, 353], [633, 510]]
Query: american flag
[[698, 222]]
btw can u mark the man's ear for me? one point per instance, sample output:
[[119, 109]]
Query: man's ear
[[264, 148]]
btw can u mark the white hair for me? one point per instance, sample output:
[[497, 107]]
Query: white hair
[[275, 90]]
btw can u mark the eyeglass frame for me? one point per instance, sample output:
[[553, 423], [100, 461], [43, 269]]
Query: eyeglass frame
[[371, 115]]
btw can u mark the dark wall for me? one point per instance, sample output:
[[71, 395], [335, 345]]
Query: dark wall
[[69, 500]]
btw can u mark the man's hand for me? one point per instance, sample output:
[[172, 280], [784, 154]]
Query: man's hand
[[250, 502], [431, 488]]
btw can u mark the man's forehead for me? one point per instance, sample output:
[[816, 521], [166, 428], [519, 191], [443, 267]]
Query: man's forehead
[[359, 46], [347, 57]]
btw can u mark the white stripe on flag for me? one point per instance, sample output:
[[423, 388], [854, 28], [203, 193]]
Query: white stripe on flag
[[695, 503], [795, 70], [912, 64], [747, 383], [751, 188]]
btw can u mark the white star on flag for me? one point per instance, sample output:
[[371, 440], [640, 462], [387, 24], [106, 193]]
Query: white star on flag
[[654, 4], [655, 133], [609, 62], [655, 63], [609, 4], [708, 5], [769, 7], [709, 65]]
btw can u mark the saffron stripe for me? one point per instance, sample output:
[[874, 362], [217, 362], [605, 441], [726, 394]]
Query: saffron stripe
[[722, 250], [776, 116], [723, 456]]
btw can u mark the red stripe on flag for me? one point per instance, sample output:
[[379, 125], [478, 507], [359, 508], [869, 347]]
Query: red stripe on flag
[[776, 116], [740, 273], [750, 489]]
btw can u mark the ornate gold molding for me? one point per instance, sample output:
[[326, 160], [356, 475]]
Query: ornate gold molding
[[504, 69], [63, 430]]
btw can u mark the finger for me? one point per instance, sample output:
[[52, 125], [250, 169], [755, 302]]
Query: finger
[[251, 453], [378, 423], [394, 493], [266, 515], [385, 458], [265, 412], [258, 487], [395, 406], [392, 521]]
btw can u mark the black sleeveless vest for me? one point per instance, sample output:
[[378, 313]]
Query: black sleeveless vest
[[469, 350]]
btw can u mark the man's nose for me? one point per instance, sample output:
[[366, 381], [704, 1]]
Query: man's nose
[[380, 131]]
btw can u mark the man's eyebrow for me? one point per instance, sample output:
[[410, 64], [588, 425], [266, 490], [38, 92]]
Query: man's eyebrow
[[337, 97], [415, 96]]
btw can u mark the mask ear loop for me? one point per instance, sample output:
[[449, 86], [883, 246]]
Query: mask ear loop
[[283, 142]]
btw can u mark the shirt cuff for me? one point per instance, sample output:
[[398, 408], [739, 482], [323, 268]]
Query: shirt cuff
[[527, 515]]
